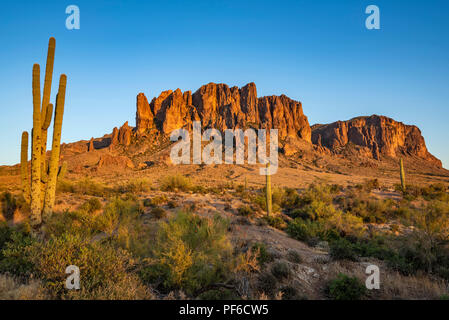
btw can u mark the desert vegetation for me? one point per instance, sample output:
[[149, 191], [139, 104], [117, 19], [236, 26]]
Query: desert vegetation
[[165, 240]]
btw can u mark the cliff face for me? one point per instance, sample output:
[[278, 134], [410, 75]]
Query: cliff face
[[221, 107], [381, 135]]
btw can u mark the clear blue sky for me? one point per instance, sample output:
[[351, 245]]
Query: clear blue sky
[[315, 51]]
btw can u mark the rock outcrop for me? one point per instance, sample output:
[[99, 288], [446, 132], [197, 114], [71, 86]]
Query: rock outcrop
[[382, 136], [221, 107]]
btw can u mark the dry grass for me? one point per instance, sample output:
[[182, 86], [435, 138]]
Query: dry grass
[[393, 286], [12, 289]]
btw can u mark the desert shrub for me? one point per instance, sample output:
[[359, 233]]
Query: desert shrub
[[158, 213], [369, 185], [294, 256], [267, 283], [263, 255], [14, 251], [9, 203], [86, 186], [370, 210], [218, 294], [117, 213], [91, 205], [245, 211], [74, 222], [314, 211], [280, 270], [176, 183], [277, 198], [346, 288], [102, 266], [291, 199], [318, 192], [275, 222], [305, 230], [342, 249], [135, 186], [172, 204], [147, 203], [289, 293], [189, 253], [436, 191], [200, 189], [155, 201]]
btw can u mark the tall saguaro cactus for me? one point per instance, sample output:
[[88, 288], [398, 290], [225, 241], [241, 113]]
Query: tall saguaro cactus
[[43, 181], [36, 151], [55, 148], [47, 108], [268, 191], [401, 165], [24, 166]]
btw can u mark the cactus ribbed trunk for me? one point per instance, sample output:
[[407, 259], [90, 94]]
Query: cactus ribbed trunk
[[63, 170], [46, 114], [268, 191], [24, 166], [56, 148], [403, 186], [36, 217]]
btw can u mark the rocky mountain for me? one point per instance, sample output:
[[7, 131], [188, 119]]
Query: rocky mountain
[[381, 136], [222, 107]]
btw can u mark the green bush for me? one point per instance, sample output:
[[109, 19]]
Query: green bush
[[176, 183], [275, 222], [264, 256], [15, 244], [135, 186], [9, 203], [91, 205], [267, 283], [346, 288], [280, 270], [245, 211], [103, 268], [158, 213], [85, 187], [294, 256], [342, 249], [305, 230], [190, 253], [289, 293]]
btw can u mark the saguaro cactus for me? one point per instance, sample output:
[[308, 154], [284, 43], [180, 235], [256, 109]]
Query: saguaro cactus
[[36, 152], [46, 113], [55, 148], [43, 187], [24, 166], [268, 191], [401, 165]]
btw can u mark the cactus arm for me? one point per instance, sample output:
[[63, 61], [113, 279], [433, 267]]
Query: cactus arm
[[24, 166], [63, 170], [45, 114], [48, 115], [268, 191], [36, 218], [403, 186], [56, 148]]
